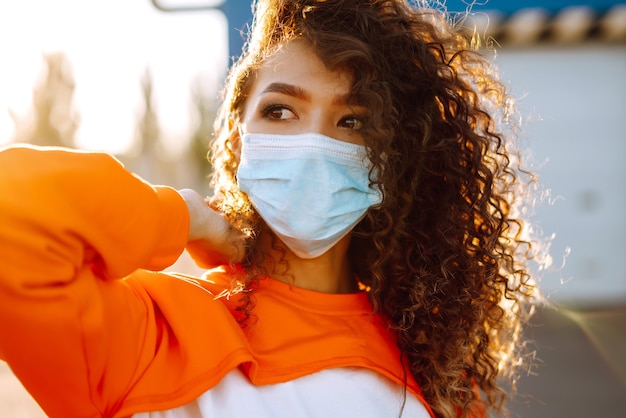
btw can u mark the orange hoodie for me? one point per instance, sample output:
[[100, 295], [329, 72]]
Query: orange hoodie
[[91, 331]]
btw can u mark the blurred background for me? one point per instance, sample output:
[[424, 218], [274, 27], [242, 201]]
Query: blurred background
[[140, 79]]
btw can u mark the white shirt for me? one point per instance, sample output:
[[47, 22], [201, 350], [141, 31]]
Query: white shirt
[[340, 392]]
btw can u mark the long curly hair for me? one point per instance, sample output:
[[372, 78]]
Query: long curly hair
[[445, 255]]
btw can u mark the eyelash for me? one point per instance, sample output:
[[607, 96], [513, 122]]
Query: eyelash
[[358, 121], [267, 110], [272, 107]]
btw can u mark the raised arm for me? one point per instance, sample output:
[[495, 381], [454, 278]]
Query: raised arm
[[70, 224]]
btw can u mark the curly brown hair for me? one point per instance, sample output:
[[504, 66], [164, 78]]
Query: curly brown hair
[[444, 255]]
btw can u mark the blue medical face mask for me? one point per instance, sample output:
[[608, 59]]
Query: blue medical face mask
[[310, 189]]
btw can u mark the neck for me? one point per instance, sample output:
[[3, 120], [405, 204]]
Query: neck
[[328, 273]]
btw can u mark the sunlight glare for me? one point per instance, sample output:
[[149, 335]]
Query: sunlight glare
[[606, 330], [110, 45]]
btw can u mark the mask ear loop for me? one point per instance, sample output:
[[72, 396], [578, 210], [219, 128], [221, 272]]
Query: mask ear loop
[[240, 131]]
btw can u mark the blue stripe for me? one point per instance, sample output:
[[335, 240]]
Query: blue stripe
[[511, 6]]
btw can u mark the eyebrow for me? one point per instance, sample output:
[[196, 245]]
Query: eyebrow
[[287, 89], [299, 93]]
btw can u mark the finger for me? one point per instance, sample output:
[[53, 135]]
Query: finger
[[215, 202]]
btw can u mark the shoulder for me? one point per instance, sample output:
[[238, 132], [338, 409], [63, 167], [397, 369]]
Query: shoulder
[[181, 290], [191, 340]]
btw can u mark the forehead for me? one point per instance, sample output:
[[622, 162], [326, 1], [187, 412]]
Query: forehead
[[296, 63]]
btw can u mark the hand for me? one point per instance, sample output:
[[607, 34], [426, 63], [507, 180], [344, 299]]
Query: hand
[[212, 240]]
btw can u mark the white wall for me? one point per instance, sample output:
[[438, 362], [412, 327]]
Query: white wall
[[574, 101]]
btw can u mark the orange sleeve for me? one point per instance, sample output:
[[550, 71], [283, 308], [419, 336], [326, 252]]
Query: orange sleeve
[[70, 222]]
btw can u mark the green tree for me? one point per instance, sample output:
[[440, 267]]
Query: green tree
[[53, 119], [146, 156], [204, 105], [148, 134]]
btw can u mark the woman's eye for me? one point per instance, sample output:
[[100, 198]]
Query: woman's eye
[[351, 122], [278, 113]]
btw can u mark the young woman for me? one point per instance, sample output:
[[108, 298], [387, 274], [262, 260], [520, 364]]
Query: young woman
[[363, 251]]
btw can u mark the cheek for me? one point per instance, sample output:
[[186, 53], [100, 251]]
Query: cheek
[[248, 121], [246, 108]]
